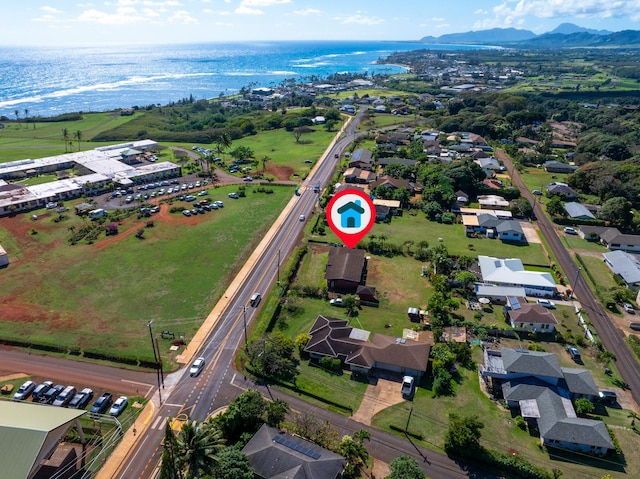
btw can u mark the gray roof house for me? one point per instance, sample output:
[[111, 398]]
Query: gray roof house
[[563, 190], [274, 454], [510, 230], [626, 265], [559, 167], [614, 240], [531, 317], [511, 272], [535, 383], [578, 211]]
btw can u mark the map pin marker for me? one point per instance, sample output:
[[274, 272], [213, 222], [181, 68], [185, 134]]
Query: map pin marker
[[351, 214]]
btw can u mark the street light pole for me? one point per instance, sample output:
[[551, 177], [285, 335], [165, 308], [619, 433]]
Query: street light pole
[[576, 281], [155, 358]]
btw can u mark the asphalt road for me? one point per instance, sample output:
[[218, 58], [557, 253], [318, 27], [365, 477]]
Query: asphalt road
[[612, 338]]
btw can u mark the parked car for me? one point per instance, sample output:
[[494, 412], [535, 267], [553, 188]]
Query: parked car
[[81, 399], [628, 308], [407, 386], [219, 204], [40, 390], [24, 391], [336, 302], [570, 231], [186, 212], [608, 397], [234, 196], [248, 178], [51, 395], [547, 304], [196, 367], [118, 406], [102, 404], [574, 353], [51, 205], [537, 192], [65, 396]]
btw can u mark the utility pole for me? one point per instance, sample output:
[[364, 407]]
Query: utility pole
[[156, 359]]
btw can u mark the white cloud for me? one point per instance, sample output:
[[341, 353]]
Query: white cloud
[[481, 11], [50, 10], [360, 19], [262, 3], [183, 17], [513, 13], [436, 19], [306, 12], [242, 10], [123, 16]]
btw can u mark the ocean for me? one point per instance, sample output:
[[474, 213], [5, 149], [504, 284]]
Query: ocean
[[49, 81]]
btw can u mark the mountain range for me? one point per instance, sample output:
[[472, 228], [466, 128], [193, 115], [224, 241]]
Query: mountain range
[[565, 35]]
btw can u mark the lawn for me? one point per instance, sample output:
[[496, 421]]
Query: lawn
[[22, 141], [538, 178], [598, 274], [284, 151], [578, 245], [101, 295]]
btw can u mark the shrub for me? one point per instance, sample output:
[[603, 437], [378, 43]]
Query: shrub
[[521, 423], [331, 364]]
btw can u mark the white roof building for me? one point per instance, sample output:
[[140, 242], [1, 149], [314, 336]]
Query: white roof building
[[511, 272]]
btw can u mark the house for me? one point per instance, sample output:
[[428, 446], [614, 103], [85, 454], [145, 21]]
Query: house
[[614, 240], [367, 295], [511, 272], [510, 230], [578, 211], [4, 257], [382, 212], [361, 158], [274, 454], [346, 269], [534, 383], [559, 167], [397, 161], [383, 355], [563, 190], [625, 265], [357, 175], [393, 205], [592, 233], [531, 317], [351, 214], [488, 163], [391, 183], [493, 202]]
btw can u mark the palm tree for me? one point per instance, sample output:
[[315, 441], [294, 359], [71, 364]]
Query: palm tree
[[223, 143], [65, 138], [265, 159], [198, 446], [78, 137], [17, 114]]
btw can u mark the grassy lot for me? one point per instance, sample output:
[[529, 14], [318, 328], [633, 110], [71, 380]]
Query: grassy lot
[[284, 151], [380, 120], [538, 178], [20, 141], [173, 276], [599, 271], [578, 245]]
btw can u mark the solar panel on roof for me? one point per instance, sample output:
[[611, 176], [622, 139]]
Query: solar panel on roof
[[297, 447], [515, 304]]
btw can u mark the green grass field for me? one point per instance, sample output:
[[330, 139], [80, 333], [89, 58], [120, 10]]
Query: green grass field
[[97, 297]]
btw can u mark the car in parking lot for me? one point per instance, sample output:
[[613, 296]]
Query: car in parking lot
[[201, 210], [102, 404], [196, 367], [247, 178], [194, 211], [186, 212], [234, 196], [203, 193], [407, 386], [218, 203], [65, 396], [50, 396], [118, 406], [51, 205], [546, 303], [628, 308], [570, 231], [24, 391], [81, 399], [40, 390]]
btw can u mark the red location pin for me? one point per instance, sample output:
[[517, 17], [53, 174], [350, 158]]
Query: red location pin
[[351, 214]]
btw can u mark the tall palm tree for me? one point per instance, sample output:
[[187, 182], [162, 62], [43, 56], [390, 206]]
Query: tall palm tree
[[78, 136], [199, 444], [265, 159], [65, 138], [223, 143], [17, 114]]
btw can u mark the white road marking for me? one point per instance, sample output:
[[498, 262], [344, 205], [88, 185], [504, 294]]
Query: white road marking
[[156, 422]]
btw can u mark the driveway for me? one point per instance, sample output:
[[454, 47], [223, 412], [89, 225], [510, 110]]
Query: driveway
[[530, 232], [376, 398]]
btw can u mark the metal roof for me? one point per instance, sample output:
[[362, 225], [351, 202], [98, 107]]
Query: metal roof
[[29, 433]]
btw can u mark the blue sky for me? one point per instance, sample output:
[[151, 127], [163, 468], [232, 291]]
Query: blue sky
[[64, 22]]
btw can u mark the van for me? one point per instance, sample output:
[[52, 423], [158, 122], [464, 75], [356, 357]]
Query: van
[[255, 300]]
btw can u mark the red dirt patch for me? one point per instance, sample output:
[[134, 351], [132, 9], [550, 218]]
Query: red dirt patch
[[280, 172]]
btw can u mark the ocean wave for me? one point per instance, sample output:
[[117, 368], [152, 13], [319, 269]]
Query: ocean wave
[[135, 80]]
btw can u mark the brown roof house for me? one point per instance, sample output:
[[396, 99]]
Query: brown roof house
[[346, 269], [531, 317], [384, 354], [274, 454]]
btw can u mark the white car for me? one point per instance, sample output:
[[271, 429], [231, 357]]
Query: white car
[[547, 304], [118, 406], [570, 231], [336, 302], [407, 386], [196, 367], [303, 217], [628, 308]]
